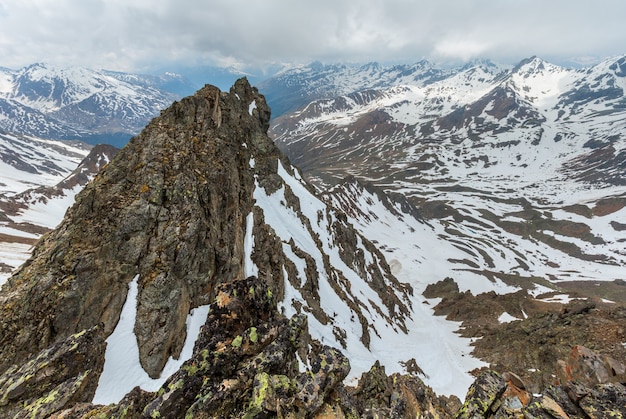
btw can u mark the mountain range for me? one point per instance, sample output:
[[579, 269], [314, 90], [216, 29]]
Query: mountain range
[[83, 104], [488, 198], [479, 109], [522, 168]]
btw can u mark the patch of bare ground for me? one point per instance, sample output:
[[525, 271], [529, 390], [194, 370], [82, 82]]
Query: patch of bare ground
[[4, 268], [544, 332], [29, 228], [531, 347], [610, 290], [8, 238], [608, 206]]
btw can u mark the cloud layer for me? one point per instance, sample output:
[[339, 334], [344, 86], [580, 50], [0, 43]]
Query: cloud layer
[[139, 35]]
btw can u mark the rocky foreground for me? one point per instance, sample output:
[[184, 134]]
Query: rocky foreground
[[171, 209], [246, 365]]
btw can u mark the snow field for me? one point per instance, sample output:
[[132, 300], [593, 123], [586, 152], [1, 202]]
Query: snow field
[[443, 355], [122, 369]]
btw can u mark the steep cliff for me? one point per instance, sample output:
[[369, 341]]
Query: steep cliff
[[175, 214], [199, 276]]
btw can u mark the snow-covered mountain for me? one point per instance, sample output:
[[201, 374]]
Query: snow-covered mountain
[[38, 181], [296, 87], [79, 103], [335, 276], [490, 115], [522, 170]]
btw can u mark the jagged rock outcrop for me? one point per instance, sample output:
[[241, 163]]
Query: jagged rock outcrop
[[171, 208], [400, 396], [578, 396], [586, 366], [184, 211], [250, 363], [57, 377]]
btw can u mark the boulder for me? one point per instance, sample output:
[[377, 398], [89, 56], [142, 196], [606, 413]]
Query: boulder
[[587, 367]]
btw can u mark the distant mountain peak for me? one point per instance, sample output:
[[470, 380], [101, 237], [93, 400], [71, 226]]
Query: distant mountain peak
[[79, 103]]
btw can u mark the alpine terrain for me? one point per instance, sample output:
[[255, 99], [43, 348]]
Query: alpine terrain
[[518, 171], [504, 187], [82, 104], [38, 183], [198, 274]]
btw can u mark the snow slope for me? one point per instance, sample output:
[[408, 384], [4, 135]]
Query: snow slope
[[394, 338], [122, 370]]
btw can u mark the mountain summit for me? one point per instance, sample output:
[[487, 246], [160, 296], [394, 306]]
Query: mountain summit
[[198, 275], [199, 201]]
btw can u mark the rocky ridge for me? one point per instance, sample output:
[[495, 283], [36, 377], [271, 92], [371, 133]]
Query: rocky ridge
[[176, 209], [189, 211]]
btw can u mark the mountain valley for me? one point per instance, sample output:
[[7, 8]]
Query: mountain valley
[[465, 234], [521, 169]]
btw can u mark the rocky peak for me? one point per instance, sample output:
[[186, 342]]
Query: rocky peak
[[170, 208], [99, 156], [198, 201]]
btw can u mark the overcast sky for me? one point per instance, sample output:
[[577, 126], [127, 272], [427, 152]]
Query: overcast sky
[[142, 35]]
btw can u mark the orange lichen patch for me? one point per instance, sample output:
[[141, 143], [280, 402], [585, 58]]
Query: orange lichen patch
[[515, 388], [513, 392], [222, 299]]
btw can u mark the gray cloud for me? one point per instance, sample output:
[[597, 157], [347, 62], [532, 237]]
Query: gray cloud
[[138, 35]]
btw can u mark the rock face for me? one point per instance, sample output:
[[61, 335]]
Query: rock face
[[179, 230], [586, 366], [581, 396], [175, 209], [57, 377], [201, 208]]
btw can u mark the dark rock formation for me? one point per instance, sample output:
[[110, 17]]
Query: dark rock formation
[[505, 396], [57, 377], [400, 396], [171, 210]]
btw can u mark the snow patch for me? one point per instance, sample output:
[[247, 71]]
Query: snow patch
[[250, 269], [559, 298], [506, 318], [122, 369]]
